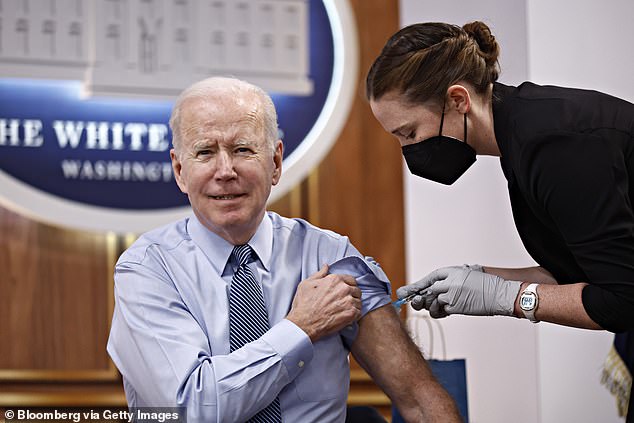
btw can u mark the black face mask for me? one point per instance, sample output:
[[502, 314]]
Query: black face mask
[[441, 158]]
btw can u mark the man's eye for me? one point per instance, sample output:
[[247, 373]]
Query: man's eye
[[411, 135], [203, 153], [243, 150]]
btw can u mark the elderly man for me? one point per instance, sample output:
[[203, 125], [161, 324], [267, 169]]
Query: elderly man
[[239, 314]]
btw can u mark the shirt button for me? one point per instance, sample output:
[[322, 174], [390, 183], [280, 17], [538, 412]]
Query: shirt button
[[300, 364]]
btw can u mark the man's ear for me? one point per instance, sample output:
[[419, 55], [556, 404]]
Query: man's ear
[[177, 167], [278, 157], [458, 99]]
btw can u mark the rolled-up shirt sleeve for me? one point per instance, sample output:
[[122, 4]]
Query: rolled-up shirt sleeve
[[164, 354], [374, 284]]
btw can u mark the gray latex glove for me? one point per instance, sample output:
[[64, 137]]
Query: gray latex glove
[[476, 267], [461, 290], [417, 289]]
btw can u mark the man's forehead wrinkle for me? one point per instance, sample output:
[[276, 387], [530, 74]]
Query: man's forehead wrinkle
[[253, 117], [208, 134], [202, 143], [223, 114], [225, 103], [197, 133], [245, 105]]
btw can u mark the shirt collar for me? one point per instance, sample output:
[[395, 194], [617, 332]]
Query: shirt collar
[[218, 250], [262, 241]]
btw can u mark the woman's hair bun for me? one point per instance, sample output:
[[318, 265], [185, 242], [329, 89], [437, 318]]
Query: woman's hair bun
[[487, 44]]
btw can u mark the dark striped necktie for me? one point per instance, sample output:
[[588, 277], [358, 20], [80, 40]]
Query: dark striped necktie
[[248, 319]]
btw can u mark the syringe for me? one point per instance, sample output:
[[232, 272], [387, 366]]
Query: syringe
[[398, 303]]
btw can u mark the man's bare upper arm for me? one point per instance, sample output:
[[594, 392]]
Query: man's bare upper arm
[[385, 350]]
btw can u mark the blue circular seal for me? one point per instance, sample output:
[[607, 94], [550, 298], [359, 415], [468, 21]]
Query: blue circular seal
[[102, 163]]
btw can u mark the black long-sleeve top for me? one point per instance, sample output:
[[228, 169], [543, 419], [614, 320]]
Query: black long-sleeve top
[[568, 156]]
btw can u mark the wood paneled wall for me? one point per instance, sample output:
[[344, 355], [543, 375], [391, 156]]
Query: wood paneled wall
[[56, 284]]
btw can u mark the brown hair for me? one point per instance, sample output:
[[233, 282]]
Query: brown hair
[[423, 60]]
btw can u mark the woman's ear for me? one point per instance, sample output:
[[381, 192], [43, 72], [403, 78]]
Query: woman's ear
[[458, 99]]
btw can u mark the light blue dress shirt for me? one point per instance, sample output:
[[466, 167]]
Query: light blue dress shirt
[[170, 329]]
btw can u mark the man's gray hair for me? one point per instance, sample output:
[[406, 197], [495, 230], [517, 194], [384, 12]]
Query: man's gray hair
[[215, 86]]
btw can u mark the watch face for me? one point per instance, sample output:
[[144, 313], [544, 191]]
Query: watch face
[[528, 301]]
